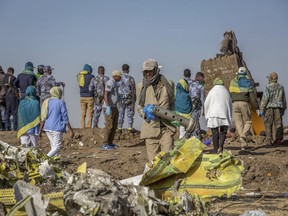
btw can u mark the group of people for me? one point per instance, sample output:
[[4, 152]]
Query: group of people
[[218, 107], [24, 95], [35, 105], [115, 96], [220, 104], [92, 95]]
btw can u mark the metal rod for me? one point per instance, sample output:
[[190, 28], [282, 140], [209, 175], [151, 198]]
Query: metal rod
[[189, 124]]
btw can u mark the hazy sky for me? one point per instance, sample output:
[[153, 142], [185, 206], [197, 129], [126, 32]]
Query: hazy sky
[[178, 34]]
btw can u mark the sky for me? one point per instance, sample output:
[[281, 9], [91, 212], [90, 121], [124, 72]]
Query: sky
[[178, 34]]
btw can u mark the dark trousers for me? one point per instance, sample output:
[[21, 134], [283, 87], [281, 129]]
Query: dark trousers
[[218, 137], [12, 104], [273, 118], [111, 125]]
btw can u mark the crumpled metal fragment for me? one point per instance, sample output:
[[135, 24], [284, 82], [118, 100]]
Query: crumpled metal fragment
[[21, 163], [97, 193], [36, 206]]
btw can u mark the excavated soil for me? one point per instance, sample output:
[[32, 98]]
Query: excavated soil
[[265, 184]]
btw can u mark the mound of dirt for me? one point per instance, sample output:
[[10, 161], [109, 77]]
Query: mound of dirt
[[266, 167]]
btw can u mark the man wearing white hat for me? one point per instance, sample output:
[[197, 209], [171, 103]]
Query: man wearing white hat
[[111, 99], [242, 94]]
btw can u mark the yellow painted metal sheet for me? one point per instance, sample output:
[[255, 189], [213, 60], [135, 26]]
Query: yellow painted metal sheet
[[257, 122]]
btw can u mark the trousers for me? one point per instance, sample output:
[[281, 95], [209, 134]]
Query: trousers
[[86, 104], [242, 117], [55, 139], [110, 126], [164, 142]]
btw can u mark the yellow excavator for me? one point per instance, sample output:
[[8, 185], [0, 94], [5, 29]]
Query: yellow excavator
[[225, 65]]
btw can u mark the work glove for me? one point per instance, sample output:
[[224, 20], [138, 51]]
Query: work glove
[[258, 112], [262, 113], [148, 112], [63, 84], [108, 111]]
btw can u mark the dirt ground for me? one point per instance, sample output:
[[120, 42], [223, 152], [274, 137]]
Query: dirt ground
[[265, 184]]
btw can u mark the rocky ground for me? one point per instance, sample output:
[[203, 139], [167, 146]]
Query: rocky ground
[[265, 184]]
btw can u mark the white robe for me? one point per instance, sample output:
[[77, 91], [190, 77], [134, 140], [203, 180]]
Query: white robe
[[218, 107]]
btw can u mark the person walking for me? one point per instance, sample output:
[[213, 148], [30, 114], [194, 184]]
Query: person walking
[[11, 100], [45, 83], [29, 118], [127, 94], [242, 94], [2, 100], [187, 75], [97, 85], [197, 95], [218, 113], [25, 79], [272, 108], [111, 99], [155, 89], [54, 120], [40, 71], [86, 97], [183, 103]]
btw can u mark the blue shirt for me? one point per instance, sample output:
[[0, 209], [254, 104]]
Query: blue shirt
[[112, 88], [57, 116], [125, 84]]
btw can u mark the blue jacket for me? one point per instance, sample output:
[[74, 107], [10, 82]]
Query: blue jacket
[[57, 116], [183, 102]]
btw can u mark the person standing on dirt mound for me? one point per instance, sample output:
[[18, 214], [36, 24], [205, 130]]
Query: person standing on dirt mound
[[25, 79], [183, 103], [97, 85], [218, 113], [111, 98], [54, 120], [40, 71], [11, 99], [272, 108], [197, 94], [29, 118], [242, 94], [86, 97], [2, 100], [187, 75], [45, 83], [155, 89], [127, 94]]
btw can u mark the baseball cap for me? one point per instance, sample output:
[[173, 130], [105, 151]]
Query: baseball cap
[[117, 73], [273, 75], [150, 64], [29, 64], [242, 70], [48, 67]]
